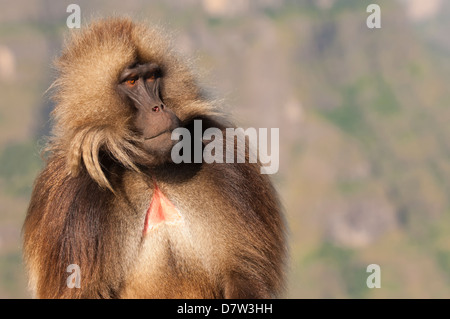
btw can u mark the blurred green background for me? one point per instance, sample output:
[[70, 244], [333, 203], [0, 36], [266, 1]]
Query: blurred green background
[[363, 116]]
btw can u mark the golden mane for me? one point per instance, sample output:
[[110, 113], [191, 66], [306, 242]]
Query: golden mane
[[89, 115]]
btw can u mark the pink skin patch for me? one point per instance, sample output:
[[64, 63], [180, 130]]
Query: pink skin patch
[[161, 210]]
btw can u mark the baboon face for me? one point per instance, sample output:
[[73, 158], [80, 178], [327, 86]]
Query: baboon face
[[139, 87]]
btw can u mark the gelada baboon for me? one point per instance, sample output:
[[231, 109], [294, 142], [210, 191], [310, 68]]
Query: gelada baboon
[[110, 199]]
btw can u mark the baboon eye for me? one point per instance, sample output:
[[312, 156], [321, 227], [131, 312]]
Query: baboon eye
[[151, 78], [131, 82]]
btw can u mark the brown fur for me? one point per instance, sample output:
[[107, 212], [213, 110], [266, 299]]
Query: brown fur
[[89, 203]]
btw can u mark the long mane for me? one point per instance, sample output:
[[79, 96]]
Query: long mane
[[91, 119]]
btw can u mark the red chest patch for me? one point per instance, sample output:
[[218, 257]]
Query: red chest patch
[[161, 210]]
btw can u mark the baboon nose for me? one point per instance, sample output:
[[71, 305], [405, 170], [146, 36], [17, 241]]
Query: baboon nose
[[158, 108]]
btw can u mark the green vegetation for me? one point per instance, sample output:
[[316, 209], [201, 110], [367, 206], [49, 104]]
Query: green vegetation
[[350, 115], [11, 274], [18, 166], [344, 262], [385, 102]]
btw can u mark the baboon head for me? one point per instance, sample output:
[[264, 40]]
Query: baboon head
[[120, 92]]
